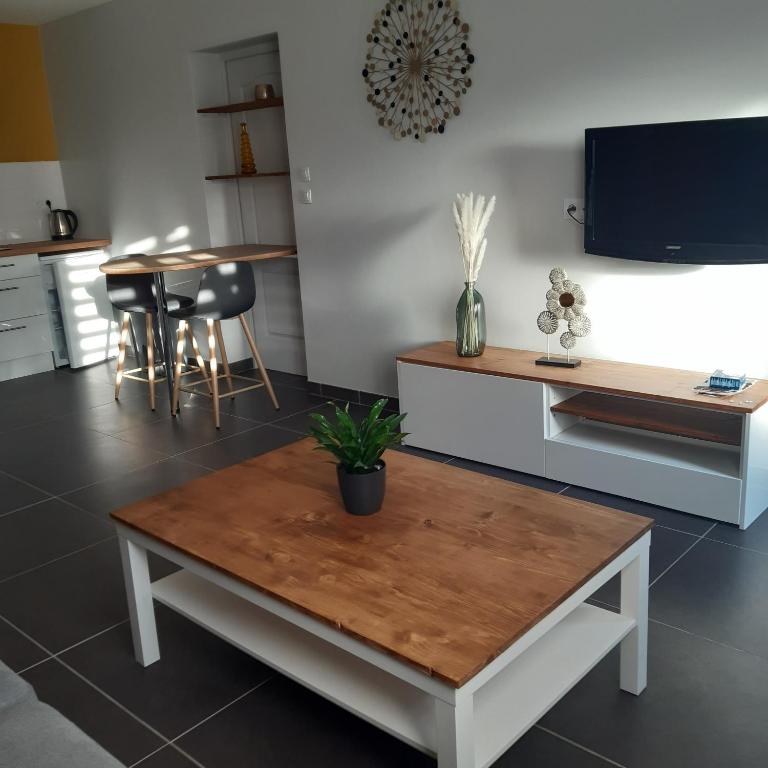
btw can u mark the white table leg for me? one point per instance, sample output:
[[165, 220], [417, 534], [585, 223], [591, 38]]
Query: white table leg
[[634, 604], [140, 606], [455, 733]]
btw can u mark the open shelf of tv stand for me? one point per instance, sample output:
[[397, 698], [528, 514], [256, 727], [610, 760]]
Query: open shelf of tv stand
[[655, 416]]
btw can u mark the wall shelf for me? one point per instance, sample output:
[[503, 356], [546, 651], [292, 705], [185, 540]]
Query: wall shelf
[[243, 106], [246, 175]]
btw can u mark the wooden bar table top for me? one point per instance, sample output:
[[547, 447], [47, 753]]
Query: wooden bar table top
[[205, 257], [454, 568], [670, 385]]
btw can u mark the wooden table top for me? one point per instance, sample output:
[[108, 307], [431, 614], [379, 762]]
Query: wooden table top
[[632, 380], [205, 257], [451, 571], [53, 246]]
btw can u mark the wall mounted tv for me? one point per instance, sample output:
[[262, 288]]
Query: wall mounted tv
[[685, 193]]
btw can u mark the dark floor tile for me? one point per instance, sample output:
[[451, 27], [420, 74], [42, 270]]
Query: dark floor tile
[[109, 495], [717, 591], [755, 537], [301, 422], [233, 450], [38, 534], [539, 749], [192, 428], [15, 494], [119, 415], [66, 601], [111, 727], [160, 567], [102, 375], [59, 456], [663, 516], [282, 378], [340, 393], [256, 405], [16, 651], [330, 736], [705, 706], [168, 758], [197, 673], [534, 481], [369, 398], [44, 396], [666, 547], [425, 454]]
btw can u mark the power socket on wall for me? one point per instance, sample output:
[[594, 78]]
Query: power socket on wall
[[578, 202]]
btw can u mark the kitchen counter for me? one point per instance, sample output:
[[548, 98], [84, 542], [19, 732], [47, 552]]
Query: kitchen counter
[[51, 246]]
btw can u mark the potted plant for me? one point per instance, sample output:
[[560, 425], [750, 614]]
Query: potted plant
[[357, 448]]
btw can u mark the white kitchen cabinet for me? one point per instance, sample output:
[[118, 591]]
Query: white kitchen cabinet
[[25, 339]]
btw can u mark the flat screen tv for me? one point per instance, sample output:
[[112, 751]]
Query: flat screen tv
[[686, 193]]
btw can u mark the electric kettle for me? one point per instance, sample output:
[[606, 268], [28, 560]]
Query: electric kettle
[[63, 223]]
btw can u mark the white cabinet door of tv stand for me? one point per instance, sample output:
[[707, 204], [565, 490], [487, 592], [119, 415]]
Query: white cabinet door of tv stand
[[630, 430]]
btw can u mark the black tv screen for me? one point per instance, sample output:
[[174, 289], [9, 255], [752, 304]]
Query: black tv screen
[[687, 193]]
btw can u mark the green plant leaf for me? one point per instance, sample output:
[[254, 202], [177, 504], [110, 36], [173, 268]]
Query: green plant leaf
[[357, 446]]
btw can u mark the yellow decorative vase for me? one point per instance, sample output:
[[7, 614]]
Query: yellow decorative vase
[[247, 165]]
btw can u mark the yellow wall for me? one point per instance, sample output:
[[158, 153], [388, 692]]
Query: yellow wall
[[26, 126]]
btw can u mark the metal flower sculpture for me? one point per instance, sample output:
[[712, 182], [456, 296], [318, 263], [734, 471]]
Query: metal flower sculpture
[[565, 300]]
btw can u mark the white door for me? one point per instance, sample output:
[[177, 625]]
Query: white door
[[267, 213]]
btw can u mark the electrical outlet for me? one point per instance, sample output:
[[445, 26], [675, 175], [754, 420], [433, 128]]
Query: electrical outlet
[[305, 196], [578, 212], [303, 174]]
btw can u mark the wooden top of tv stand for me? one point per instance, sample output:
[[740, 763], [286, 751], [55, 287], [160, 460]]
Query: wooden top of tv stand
[[628, 379]]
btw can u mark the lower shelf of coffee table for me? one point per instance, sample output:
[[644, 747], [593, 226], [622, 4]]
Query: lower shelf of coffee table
[[505, 707]]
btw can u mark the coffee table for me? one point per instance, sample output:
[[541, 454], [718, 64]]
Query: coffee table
[[453, 619]]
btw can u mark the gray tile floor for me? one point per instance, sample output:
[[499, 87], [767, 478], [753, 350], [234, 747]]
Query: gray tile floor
[[69, 455]]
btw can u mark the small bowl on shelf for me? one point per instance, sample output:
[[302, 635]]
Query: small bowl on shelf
[[264, 91]]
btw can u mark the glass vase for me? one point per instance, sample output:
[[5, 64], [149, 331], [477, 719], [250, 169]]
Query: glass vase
[[470, 323]]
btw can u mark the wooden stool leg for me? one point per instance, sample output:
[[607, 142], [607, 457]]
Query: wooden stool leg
[[223, 353], [121, 354], [150, 359], [177, 371], [259, 364], [198, 355], [134, 343], [214, 371]]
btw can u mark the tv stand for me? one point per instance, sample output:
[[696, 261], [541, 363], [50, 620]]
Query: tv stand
[[633, 430]]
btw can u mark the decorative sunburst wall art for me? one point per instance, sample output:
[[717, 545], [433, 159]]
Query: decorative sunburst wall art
[[417, 66]]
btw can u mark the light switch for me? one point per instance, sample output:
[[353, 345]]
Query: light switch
[[305, 196], [304, 174]]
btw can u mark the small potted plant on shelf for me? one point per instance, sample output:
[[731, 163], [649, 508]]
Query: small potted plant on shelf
[[357, 448]]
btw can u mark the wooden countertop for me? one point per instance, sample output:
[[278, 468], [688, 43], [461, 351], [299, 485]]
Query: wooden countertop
[[205, 257], [454, 568], [53, 246], [645, 381]]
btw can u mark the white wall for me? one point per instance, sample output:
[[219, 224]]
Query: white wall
[[380, 271], [24, 188]]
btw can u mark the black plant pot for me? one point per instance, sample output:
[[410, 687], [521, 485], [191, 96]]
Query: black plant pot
[[362, 492]]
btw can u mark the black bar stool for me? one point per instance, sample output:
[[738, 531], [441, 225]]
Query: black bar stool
[[226, 291], [135, 293]]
